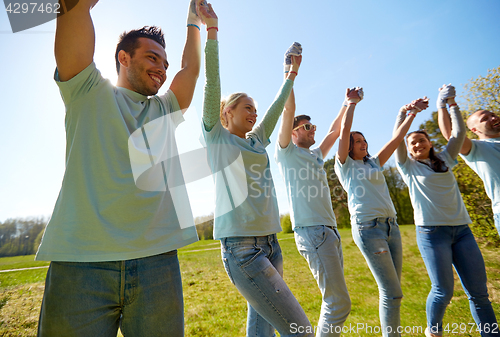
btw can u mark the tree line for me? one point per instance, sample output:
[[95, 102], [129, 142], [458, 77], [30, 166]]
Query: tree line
[[21, 236]]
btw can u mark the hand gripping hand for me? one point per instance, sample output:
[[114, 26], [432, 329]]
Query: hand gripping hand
[[294, 50], [445, 92]]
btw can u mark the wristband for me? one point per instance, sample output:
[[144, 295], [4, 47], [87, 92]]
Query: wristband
[[351, 103], [192, 24], [293, 72], [208, 28], [412, 114], [453, 104]]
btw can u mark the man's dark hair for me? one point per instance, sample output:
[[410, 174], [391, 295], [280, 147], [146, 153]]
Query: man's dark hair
[[129, 40], [299, 118]]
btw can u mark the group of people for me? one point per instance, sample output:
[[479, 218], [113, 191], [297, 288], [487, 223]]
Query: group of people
[[113, 245]]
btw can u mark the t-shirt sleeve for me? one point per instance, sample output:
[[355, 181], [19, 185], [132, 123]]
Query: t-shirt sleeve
[[341, 169], [445, 156], [259, 133], [281, 153], [404, 169], [213, 136], [88, 79], [172, 107], [473, 151], [317, 151]]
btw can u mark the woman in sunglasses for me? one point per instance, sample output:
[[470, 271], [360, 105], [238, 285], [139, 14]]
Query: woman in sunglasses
[[246, 209], [443, 234], [373, 217]]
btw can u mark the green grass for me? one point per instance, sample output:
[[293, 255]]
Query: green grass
[[213, 306]]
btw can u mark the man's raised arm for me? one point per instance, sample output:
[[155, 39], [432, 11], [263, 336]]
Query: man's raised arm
[[184, 82], [75, 39]]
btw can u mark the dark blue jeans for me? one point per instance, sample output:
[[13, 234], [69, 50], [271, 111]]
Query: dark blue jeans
[[445, 247], [141, 296]]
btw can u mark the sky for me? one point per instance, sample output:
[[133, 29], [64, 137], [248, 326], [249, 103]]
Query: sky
[[396, 50]]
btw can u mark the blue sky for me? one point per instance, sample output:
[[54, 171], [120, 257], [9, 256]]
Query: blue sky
[[396, 50]]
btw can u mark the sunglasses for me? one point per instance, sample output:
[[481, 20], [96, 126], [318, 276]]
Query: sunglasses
[[307, 127]]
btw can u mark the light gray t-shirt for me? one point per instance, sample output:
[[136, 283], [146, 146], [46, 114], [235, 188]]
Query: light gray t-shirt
[[484, 159], [367, 191], [101, 214], [306, 185], [435, 196]]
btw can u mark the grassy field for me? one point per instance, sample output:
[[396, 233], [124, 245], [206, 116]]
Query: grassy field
[[213, 306]]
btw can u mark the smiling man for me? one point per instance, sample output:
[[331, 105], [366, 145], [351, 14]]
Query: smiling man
[[483, 154], [312, 216], [113, 245]]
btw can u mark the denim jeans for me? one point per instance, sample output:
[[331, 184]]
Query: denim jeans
[[496, 217], [141, 296], [441, 248], [322, 249], [255, 266], [380, 243]]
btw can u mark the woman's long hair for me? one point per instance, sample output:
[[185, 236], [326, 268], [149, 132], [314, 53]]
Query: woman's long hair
[[351, 145], [228, 103], [437, 165]]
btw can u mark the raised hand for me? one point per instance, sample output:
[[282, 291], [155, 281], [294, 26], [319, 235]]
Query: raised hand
[[296, 61], [294, 50], [418, 105], [445, 92], [208, 15], [194, 18], [354, 95]]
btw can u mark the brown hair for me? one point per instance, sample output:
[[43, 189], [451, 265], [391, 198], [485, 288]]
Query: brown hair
[[437, 165], [351, 145], [299, 118], [129, 41]]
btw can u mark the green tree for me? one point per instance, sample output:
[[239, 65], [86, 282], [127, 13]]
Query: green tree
[[483, 92], [338, 196], [400, 195]]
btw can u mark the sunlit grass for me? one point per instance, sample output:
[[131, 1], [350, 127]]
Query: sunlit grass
[[213, 306]]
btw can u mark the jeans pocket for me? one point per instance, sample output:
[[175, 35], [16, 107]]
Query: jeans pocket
[[427, 229], [310, 238], [367, 225], [243, 255]]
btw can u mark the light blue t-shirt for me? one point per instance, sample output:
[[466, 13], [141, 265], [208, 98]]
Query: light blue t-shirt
[[484, 159], [306, 185], [367, 191], [101, 214], [245, 201], [435, 196]]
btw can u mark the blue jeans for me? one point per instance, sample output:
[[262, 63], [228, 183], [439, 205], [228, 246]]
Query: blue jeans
[[380, 243], [142, 296], [496, 217], [322, 248], [441, 248], [255, 266]]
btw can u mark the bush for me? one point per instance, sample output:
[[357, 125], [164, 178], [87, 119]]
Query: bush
[[286, 224]]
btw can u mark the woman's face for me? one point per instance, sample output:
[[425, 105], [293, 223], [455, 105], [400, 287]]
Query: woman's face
[[419, 146], [359, 147], [242, 117]]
